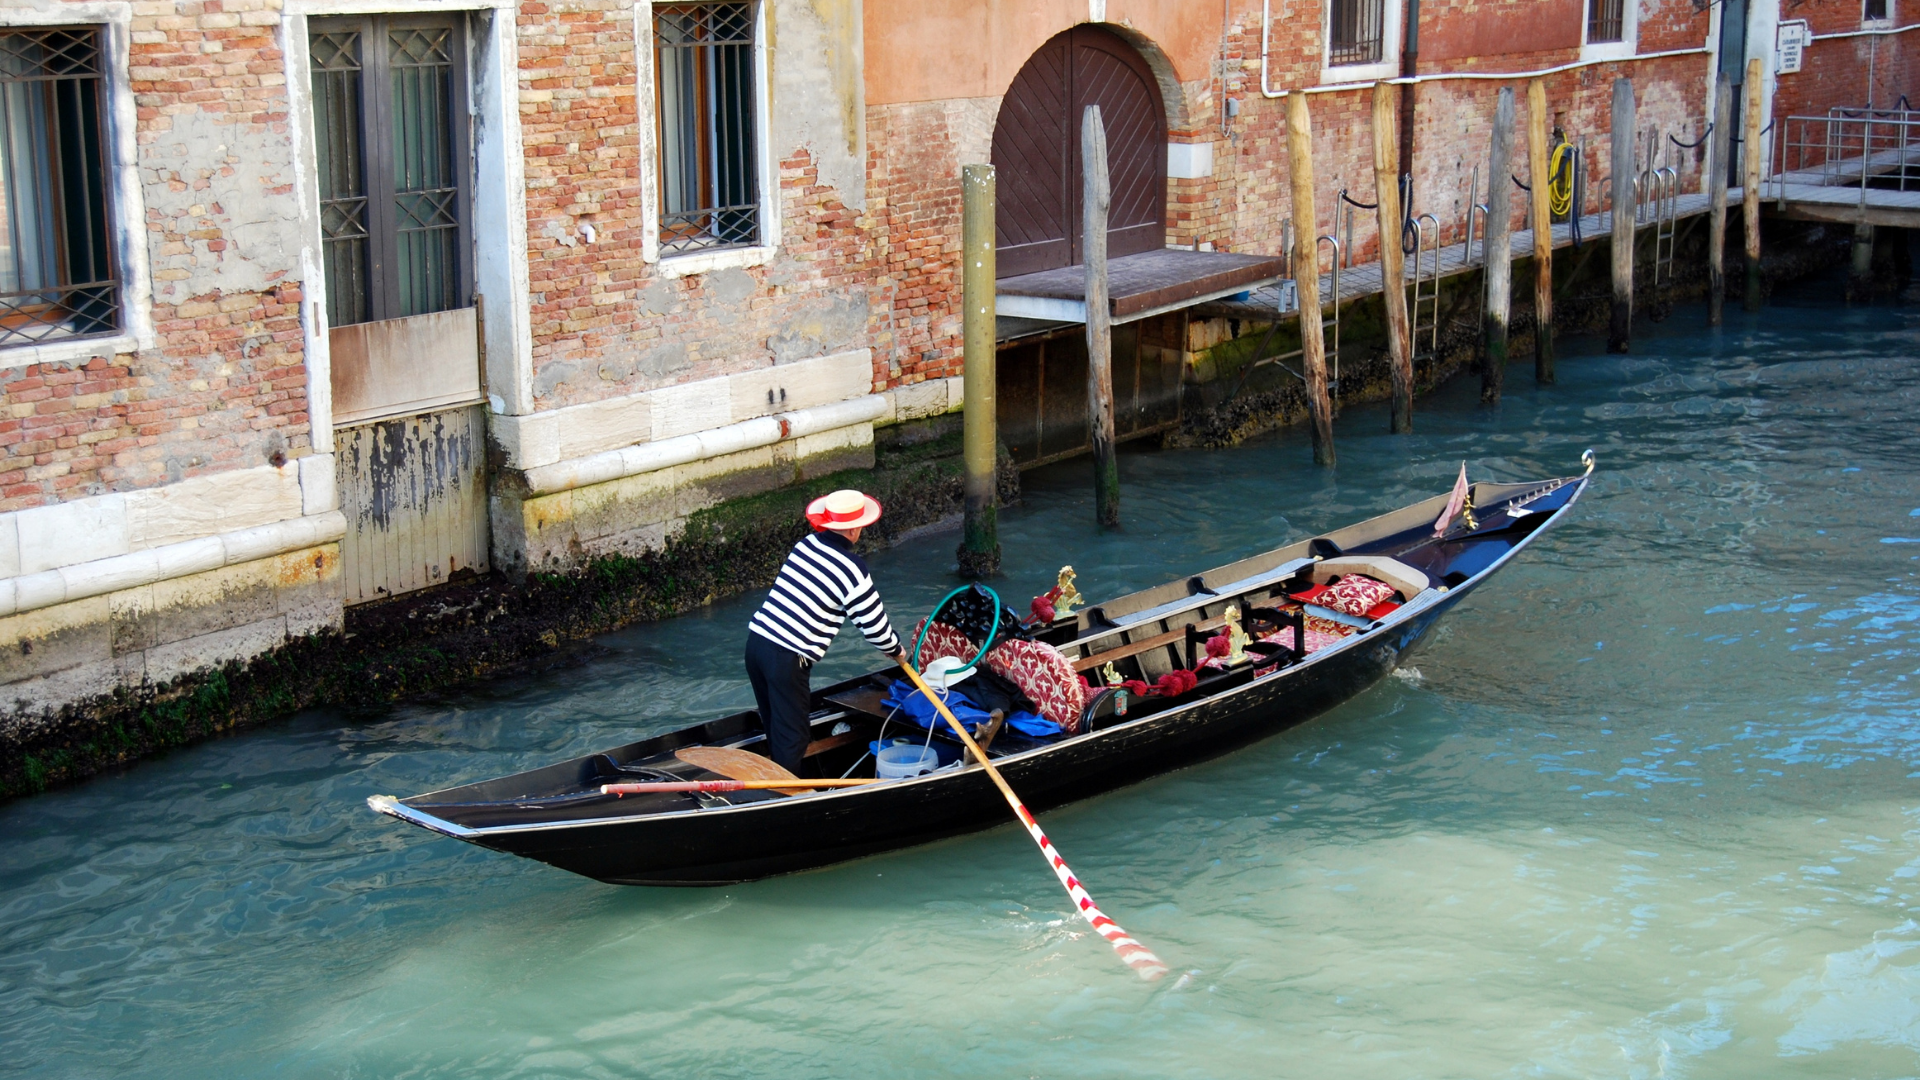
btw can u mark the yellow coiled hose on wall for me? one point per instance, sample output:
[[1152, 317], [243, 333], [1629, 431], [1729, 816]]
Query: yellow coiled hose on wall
[[1560, 180]]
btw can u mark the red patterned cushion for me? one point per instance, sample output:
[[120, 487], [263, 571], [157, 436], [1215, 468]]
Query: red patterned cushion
[[1320, 624], [1043, 675], [942, 640], [1316, 639], [1311, 595], [1355, 594]]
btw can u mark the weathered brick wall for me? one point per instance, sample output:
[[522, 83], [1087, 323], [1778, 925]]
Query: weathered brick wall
[[913, 194], [605, 322], [224, 385], [1243, 205], [1850, 71]]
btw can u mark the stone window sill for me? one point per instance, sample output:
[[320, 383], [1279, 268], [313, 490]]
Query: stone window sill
[[75, 351], [703, 262]]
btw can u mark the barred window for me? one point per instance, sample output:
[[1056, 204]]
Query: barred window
[[1353, 31], [1874, 10], [705, 94], [1606, 21], [57, 277], [389, 123]]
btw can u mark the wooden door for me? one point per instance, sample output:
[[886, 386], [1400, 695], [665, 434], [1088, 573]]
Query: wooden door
[[414, 489], [1036, 151]]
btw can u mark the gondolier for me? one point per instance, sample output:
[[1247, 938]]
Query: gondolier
[[822, 585]]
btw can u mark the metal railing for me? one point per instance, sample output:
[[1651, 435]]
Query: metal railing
[[1868, 149]]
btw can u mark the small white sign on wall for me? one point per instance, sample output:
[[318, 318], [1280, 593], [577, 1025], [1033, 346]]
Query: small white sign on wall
[[1790, 46]]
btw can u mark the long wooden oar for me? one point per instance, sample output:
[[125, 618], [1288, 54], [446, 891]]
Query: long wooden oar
[[1137, 956], [651, 786]]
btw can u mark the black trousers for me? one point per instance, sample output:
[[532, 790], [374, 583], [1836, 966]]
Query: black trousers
[[783, 691]]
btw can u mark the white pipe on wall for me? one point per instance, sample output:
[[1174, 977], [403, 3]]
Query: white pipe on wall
[[700, 446]]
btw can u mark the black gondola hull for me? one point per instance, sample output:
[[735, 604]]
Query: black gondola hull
[[725, 844], [764, 839]]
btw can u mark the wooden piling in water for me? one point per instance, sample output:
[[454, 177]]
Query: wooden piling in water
[[1860, 272], [1499, 250], [1096, 197], [1719, 165], [1306, 275], [1750, 185], [979, 552], [1537, 128], [1386, 196], [1620, 326]]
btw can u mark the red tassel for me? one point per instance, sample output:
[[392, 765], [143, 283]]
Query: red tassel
[[1175, 683], [1042, 608]]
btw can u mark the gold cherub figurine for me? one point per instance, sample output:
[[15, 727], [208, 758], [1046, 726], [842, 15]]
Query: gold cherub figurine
[[1069, 597], [1466, 512], [1111, 674], [1237, 639]]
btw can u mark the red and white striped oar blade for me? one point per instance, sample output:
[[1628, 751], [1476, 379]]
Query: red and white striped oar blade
[[1137, 956]]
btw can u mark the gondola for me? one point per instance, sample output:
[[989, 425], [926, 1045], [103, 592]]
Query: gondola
[[558, 814]]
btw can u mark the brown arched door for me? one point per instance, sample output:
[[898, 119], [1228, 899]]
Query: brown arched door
[[1036, 151]]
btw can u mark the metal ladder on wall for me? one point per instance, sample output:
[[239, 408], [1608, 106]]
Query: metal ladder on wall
[[1657, 191], [1426, 288], [1333, 297]]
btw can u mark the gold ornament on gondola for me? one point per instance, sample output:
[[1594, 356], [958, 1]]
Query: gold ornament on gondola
[[1111, 674], [1069, 597], [1466, 513], [1237, 639]]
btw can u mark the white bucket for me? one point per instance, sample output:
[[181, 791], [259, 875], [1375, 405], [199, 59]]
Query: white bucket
[[905, 759]]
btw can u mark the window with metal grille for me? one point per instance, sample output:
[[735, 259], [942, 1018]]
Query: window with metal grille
[[57, 276], [1353, 31], [389, 117], [704, 97], [1606, 21]]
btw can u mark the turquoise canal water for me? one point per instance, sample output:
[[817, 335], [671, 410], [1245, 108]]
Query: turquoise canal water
[[1647, 805]]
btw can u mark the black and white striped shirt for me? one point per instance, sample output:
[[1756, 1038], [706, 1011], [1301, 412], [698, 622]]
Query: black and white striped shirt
[[822, 585]]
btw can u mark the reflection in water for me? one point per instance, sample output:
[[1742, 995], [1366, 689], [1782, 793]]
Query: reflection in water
[[1646, 805]]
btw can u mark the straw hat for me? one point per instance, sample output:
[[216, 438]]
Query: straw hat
[[843, 510], [945, 671]]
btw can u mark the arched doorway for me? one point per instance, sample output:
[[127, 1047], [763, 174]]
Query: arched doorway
[[1036, 151]]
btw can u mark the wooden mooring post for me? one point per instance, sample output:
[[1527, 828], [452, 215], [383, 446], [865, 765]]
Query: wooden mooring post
[[1750, 185], [1306, 276], [1093, 243], [1386, 196], [979, 552], [1499, 250], [1718, 165], [1860, 272], [1537, 128], [1620, 325]]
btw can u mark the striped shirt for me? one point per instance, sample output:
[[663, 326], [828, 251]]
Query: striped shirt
[[822, 585]]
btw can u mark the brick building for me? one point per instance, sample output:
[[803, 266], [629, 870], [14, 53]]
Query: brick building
[[305, 303]]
